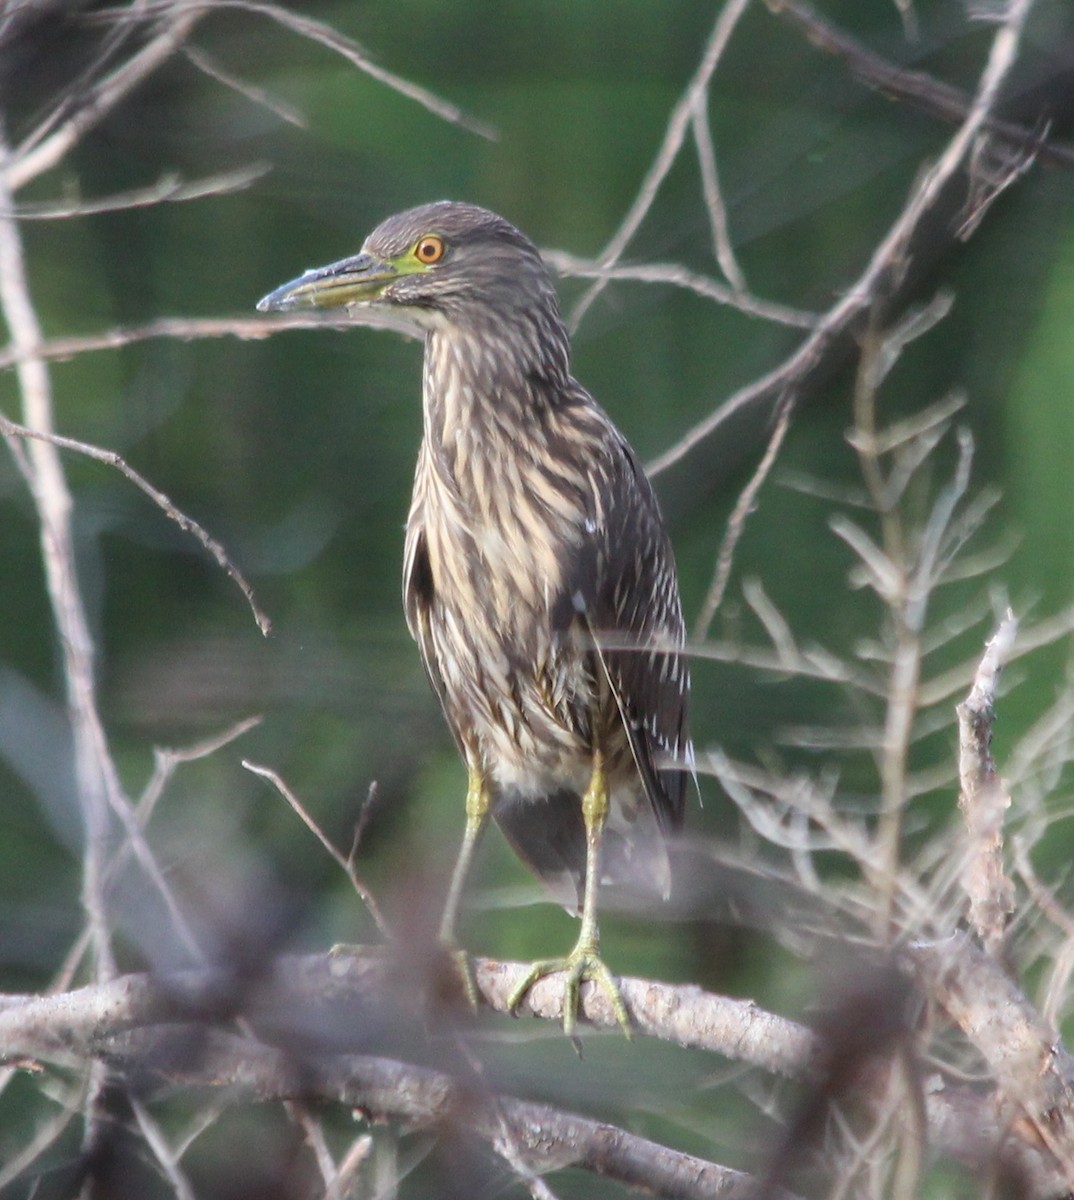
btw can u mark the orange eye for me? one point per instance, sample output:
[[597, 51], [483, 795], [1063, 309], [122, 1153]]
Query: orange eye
[[430, 249]]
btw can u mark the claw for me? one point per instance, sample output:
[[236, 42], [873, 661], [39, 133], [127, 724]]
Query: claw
[[581, 965]]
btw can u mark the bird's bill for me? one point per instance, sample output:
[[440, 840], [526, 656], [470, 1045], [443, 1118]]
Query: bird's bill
[[349, 281]]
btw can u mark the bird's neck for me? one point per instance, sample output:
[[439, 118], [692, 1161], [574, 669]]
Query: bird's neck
[[483, 393]]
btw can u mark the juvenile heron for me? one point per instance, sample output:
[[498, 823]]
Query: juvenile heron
[[538, 579]]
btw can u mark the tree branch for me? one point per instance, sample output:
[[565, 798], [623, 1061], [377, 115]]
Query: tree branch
[[887, 265], [309, 1012], [983, 799], [931, 95]]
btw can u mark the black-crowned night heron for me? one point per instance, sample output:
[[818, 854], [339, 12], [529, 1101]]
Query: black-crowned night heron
[[538, 579]]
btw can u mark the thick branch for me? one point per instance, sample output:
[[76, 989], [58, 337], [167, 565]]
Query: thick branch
[[1033, 1069], [170, 1032], [66, 1027], [538, 1136], [316, 1010]]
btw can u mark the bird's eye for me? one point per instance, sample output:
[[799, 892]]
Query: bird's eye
[[430, 249]]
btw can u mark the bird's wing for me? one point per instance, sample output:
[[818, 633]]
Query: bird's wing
[[418, 600], [627, 585]]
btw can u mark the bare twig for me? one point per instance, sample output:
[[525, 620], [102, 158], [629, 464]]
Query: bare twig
[[736, 523], [47, 1134], [903, 571], [167, 759], [1056, 991], [710, 186], [38, 154], [674, 136], [190, 329], [169, 189], [887, 259], [163, 502], [347, 1172], [332, 39], [256, 95], [346, 864], [166, 1157], [675, 275], [933, 95], [1046, 632]]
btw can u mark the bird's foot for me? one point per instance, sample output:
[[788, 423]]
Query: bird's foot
[[581, 965]]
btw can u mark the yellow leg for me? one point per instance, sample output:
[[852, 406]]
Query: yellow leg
[[477, 815], [584, 961]]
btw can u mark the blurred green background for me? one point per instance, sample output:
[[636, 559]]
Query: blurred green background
[[297, 452]]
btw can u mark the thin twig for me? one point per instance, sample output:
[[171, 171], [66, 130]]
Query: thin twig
[[36, 155], [332, 39], [346, 864], [736, 523], [344, 1184], [932, 95], [1056, 989], [674, 136], [191, 329], [170, 188], [46, 1135], [256, 95], [864, 292], [166, 759], [710, 187], [167, 1159], [678, 276], [163, 502]]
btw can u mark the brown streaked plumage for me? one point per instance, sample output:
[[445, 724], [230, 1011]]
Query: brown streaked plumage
[[539, 581]]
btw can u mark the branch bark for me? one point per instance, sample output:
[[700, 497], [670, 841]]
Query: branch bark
[[983, 798], [310, 1013]]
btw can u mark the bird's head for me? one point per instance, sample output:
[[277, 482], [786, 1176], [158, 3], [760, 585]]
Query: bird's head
[[443, 265]]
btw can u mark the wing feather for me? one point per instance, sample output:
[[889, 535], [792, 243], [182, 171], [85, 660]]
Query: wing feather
[[624, 589]]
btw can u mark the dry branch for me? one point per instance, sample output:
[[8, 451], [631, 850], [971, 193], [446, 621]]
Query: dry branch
[[11, 429], [302, 1016], [47, 147], [886, 270], [173, 1032], [983, 798], [680, 121], [930, 94], [1034, 1071], [189, 329], [97, 780]]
